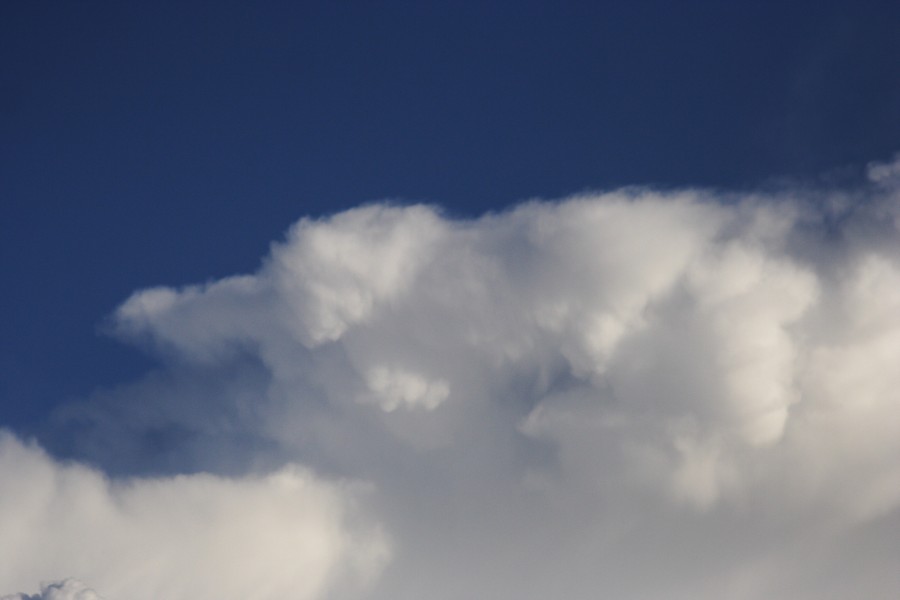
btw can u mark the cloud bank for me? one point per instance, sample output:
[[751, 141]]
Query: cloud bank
[[285, 534], [637, 394]]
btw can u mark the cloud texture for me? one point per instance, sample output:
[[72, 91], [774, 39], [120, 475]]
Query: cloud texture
[[636, 394], [69, 589]]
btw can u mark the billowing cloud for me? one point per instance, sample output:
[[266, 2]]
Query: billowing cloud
[[286, 534], [683, 394]]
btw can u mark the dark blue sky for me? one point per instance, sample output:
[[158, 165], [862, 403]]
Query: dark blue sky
[[146, 143]]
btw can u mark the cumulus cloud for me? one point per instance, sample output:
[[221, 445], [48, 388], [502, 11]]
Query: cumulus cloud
[[683, 394], [286, 534], [686, 326]]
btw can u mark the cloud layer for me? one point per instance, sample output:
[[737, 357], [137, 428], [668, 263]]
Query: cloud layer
[[683, 395]]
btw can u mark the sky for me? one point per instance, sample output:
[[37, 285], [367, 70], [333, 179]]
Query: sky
[[449, 300]]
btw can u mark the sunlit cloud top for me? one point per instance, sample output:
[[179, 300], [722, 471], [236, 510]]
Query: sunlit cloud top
[[682, 394]]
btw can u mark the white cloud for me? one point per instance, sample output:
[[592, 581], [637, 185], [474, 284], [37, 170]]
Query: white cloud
[[286, 534], [393, 389], [680, 395]]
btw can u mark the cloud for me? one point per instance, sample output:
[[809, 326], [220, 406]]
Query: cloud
[[686, 394], [69, 589], [689, 327], [285, 534], [886, 173]]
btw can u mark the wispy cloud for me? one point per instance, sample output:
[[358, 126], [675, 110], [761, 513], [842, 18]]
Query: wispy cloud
[[642, 394]]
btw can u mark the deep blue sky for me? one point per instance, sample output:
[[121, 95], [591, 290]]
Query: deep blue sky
[[146, 143]]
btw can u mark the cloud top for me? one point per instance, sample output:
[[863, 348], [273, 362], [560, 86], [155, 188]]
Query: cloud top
[[696, 330], [681, 394]]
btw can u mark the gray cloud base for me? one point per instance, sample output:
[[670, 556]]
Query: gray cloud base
[[69, 589], [639, 394]]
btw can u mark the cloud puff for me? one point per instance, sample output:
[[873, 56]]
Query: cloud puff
[[683, 394], [691, 328], [887, 173], [199, 536]]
